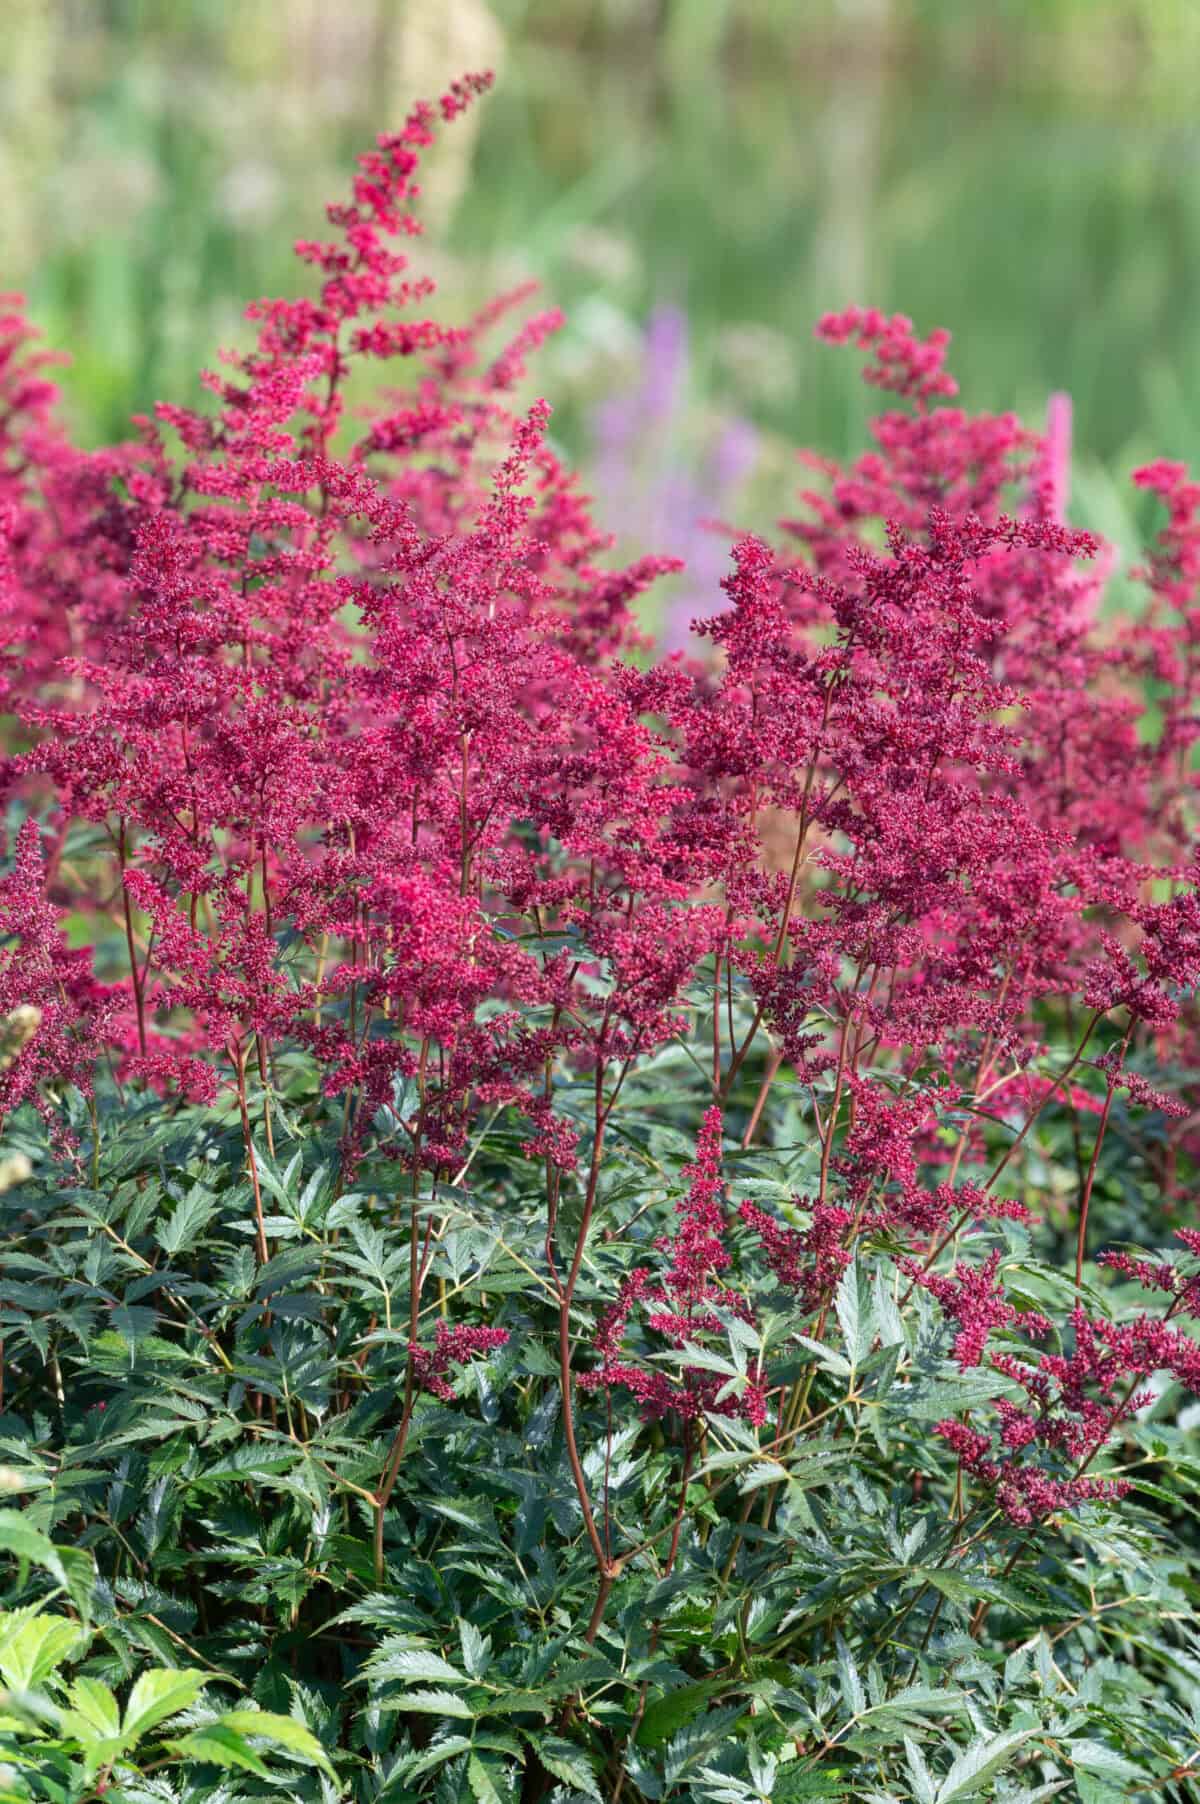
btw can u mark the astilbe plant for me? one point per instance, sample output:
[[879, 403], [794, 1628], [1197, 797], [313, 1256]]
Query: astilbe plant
[[577, 1235]]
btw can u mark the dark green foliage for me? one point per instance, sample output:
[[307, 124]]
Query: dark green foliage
[[210, 1435]]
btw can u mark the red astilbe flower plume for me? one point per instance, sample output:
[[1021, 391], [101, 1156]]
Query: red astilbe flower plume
[[974, 1300], [682, 1305], [1035, 1457], [34, 541], [452, 1346], [1026, 1492], [900, 361], [309, 672], [807, 1261], [54, 1017]]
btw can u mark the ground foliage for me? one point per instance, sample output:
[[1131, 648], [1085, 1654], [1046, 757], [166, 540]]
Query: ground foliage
[[576, 1226]]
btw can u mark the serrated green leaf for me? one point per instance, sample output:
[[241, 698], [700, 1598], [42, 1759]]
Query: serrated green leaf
[[413, 1663], [280, 1731], [480, 1777], [566, 1762], [34, 1646], [428, 1703], [932, 1399], [217, 1745], [666, 1714], [853, 1305], [919, 1775], [476, 1649], [178, 1232], [95, 1703], [440, 1750], [976, 1764], [1097, 1757], [853, 1696], [158, 1694]]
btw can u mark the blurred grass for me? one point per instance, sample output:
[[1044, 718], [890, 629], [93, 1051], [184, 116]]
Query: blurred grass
[[1026, 172]]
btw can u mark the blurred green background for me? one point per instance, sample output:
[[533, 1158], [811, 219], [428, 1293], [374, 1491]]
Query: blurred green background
[[1026, 172]]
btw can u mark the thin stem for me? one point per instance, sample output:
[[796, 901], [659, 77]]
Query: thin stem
[[239, 1066], [1086, 1197], [135, 974], [564, 1353], [773, 1064], [391, 1470]]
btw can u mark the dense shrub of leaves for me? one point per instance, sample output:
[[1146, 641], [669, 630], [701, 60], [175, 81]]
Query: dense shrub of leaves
[[576, 1226]]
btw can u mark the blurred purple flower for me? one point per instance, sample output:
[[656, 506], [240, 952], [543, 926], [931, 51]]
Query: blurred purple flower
[[645, 431]]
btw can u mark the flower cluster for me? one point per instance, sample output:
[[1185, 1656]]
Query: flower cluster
[[56, 1017], [452, 1346], [1075, 1402], [684, 1306]]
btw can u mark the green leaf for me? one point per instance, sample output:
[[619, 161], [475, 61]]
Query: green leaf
[[934, 1398], [976, 1764], [1097, 1757], [763, 1472], [19, 1537], [466, 1513], [919, 1701], [476, 1648], [853, 1696], [158, 1694], [522, 1700], [886, 1312], [95, 1703], [80, 1572], [853, 1305], [484, 1788], [826, 1358], [94, 1721], [666, 1714], [33, 1646], [970, 1588], [429, 1703], [437, 1754], [567, 1763], [280, 1731], [217, 1745], [918, 1773], [15, 1481], [791, 1785], [691, 1354], [178, 1232], [413, 1663]]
